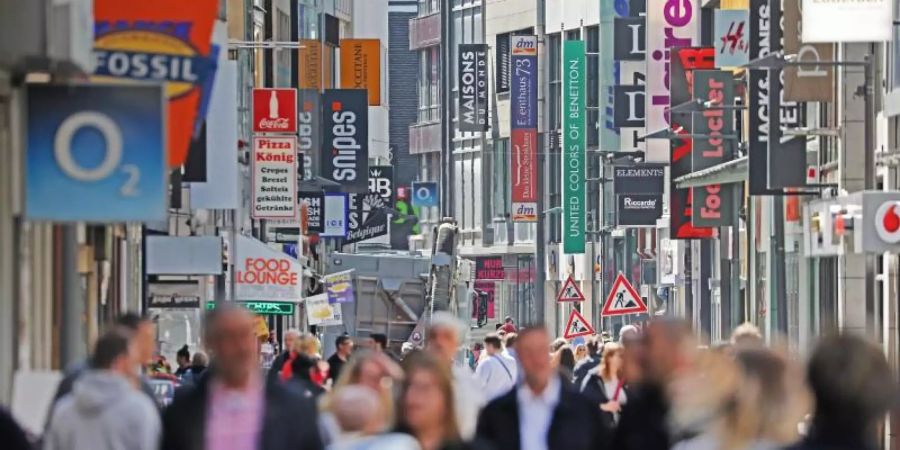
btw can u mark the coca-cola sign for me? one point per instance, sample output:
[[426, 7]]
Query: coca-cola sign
[[274, 110]]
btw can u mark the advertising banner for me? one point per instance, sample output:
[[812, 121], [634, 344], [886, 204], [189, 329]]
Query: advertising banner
[[630, 38], [345, 153], [758, 99], [472, 82], [367, 216], [642, 178], [274, 177], [361, 67], [125, 183], [683, 62], [731, 30], [425, 194], [670, 24], [262, 273], [502, 72], [321, 313], [274, 110], [339, 287], [309, 131], [310, 61], [811, 83], [315, 208], [523, 128], [164, 41], [489, 268], [638, 210], [609, 74], [847, 20], [713, 204], [573, 151], [628, 106], [173, 294], [336, 212]]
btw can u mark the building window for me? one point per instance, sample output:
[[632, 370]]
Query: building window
[[500, 200]]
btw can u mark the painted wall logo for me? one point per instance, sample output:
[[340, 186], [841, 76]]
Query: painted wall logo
[[346, 158], [887, 222]]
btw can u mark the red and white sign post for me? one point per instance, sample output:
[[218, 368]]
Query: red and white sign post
[[274, 110]]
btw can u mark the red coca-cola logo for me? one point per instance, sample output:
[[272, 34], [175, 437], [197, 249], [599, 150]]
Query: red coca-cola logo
[[274, 110], [280, 123]]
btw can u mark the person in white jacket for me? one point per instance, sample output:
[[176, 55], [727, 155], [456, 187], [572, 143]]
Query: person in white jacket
[[497, 372], [105, 410]]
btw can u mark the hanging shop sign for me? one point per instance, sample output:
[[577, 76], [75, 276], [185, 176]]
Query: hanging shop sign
[[367, 216], [848, 20], [489, 268], [163, 41], [321, 313], [629, 38], [335, 213], [684, 61], [670, 24], [274, 110], [629, 103], [641, 178], [502, 69], [713, 205], [262, 273], [361, 67], [345, 153], [573, 152], [315, 206], [339, 287], [807, 83], [125, 182], [638, 210], [311, 64], [309, 132], [732, 28], [274, 177], [263, 308], [523, 128], [425, 194], [472, 82], [173, 294]]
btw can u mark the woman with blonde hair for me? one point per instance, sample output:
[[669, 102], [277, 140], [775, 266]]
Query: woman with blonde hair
[[606, 386]]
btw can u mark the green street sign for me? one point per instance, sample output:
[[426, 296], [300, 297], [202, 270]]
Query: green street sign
[[264, 308], [573, 151]]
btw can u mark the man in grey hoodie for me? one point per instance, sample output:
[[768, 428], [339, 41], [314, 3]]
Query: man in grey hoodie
[[105, 410]]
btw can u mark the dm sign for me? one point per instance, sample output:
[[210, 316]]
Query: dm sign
[[163, 41]]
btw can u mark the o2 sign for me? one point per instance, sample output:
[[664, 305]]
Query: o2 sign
[[424, 194], [95, 153]]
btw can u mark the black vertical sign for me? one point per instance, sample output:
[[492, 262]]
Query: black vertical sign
[[787, 154], [629, 38], [315, 202], [758, 81], [309, 132], [472, 82], [502, 55], [345, 150], [367, 217]]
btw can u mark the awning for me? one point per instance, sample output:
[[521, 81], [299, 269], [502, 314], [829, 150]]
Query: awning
[[734, 171]]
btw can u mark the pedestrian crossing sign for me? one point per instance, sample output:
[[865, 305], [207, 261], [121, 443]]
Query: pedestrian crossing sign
[[570, 292], [623, 299], [577, 326]]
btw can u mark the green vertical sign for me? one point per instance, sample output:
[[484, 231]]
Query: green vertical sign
[[574, 142]]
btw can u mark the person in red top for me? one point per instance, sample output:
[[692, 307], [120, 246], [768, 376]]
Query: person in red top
[[508, 325]]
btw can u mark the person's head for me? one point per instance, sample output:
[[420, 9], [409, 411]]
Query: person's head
[[357, 409], [510, 340], [531, 349], [508, 320], [612, 361], [444, 335], [581, 352], [380, 340], [851, 382], [113, 352], [231, 337], [628, 332], [290, 336], [307, 344], [666, 348], [304, 367], [183, 356], [492, 344], [200, 359], [343, 345], [143, 335], [746, 335], [426, 398], [566, 357], [593, 345], [366, 367], [557, 344]]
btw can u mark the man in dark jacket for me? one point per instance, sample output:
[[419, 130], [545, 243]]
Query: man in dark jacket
[[233, 391], [543, 410], [290, 336]]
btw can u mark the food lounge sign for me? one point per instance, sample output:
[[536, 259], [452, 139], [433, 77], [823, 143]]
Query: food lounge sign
[[262, 273]]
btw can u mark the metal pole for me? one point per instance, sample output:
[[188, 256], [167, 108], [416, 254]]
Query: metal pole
[[869, 176], [537, 307], [74, 344]]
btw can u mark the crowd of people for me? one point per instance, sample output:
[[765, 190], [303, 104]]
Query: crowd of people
[[653, 388]]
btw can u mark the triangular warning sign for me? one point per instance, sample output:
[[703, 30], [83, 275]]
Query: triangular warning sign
[[570, 292], [577, 326], [623, 299]]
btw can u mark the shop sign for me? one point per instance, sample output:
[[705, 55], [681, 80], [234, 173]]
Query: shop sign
[[641, 178], [638, 210], [523, 128], [361, 67], [732, 29], [262, 273], [472, 82], [489, 268], [263, 308], [573, 152], [345, 155], [274, 110], [847, 20], [339, 287], [713, 205], [274, 177], [336, 215]]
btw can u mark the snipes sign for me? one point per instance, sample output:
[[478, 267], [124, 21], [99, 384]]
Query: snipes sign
[[345, 153]]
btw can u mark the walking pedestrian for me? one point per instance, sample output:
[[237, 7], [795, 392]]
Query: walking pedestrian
[[426, 407], [305, 370], [343, 348], [287, 354], [444, 343], [543, 412], [11, 434], [497, 373], [183, 359], [357, 415], [853, 388], [564, 361], [606, 386], [104, 411], [509, 326], [232, 408], [594, 345], [199, 363]]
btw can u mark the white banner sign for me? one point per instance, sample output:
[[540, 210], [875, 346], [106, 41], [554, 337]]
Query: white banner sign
[[847, 20], [336, 208], [265, 274], [274, 177], [670, 24], [320, 312]]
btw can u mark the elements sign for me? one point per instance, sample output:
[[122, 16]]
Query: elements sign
[[345, 153], [274, 110], [274, 177], [573, 151], [472, 83], [523, 128], [639, 179]]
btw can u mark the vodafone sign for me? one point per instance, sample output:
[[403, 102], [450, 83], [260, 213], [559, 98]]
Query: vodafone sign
[[274, 110], [887, 222]]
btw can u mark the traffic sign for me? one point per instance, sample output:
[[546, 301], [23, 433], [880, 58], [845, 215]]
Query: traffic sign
[[570, 292], [577, 326], [623, 299]]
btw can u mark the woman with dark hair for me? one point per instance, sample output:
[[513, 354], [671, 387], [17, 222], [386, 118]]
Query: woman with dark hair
[[183, 358], [425, 410], [564, 360]]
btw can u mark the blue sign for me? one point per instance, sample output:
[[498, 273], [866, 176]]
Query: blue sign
[[523, 92], [96, 153], [424, 194]]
